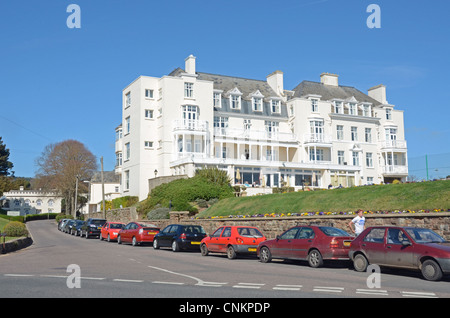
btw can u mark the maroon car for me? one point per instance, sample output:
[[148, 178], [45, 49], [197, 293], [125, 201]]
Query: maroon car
[[312, 243], [137, 233], [402, 247]]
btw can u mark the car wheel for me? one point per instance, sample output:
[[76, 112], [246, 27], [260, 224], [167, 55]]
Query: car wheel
[[231, 253], [100, 237], [204, 250], [134, 241], [108, 239], [360, 263], [264, 254], [119, 240], [315, 259], [155, 244], [431, 270], [87, 235], [175, 246]]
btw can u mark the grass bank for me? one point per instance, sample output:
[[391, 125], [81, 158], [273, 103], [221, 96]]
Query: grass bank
[[390, 197]]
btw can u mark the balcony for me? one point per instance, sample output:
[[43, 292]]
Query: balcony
[[254, 134], [393, 144], [190, 125], [395, 170], [322, 139]]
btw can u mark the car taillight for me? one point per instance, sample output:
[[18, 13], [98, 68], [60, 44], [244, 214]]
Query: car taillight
[[334, 243], [239, 240], [183, 236]]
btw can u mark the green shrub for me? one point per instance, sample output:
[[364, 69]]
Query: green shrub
[[158, 214], [124, 202], [63, 216], [15, 229]]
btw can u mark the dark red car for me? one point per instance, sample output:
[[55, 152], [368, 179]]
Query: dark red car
[[403, 247], [232, 240], [137, 233], [312, 243]]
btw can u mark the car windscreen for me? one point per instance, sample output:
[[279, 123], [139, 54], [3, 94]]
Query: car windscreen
[[249, 231], [421, 235], [332, 231]]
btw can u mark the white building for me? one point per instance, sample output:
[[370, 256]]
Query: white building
[[111, 183], [32, 201], [317, 134]]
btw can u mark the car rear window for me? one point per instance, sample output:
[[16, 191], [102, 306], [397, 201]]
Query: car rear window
[[193, 229], [98, 222], [249, 231], [115, 226], [332, 231]]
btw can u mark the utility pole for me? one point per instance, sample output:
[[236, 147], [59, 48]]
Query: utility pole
[[426, 163], [76, 195], [103, 192]]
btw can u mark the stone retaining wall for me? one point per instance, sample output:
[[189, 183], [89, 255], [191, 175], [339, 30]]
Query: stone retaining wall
[[15, 245], [272, 226]]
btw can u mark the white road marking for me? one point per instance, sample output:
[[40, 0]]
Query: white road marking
[[199, 281], [328, 289], [168, 283], [288, 287], [418, 294], [379, 292], [127, 280], [248, 285], [18, 275]]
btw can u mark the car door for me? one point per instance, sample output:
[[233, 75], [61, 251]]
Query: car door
[[163, 235], [282, 247], [373, 245], [399, 250], [213, 245], [300, 245], [223, 240]]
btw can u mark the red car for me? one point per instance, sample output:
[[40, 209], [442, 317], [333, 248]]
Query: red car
[[232, 240], [110, 230], [137, 233], [403, 247], [312, 243]]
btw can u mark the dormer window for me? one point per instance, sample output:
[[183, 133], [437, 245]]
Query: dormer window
[[367, 110], [275, 106], [217, 100], [235, 101], [314, 105], [257, 103], [352, 109], [338, 107]]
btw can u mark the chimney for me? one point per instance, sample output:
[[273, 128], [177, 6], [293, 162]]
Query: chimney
[[190, 64], [329, 79], [378, 93], [275, 81]]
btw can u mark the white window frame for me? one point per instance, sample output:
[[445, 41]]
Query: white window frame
[[341, 157], [257, 104], [127, 125], [128, 99], [235, 101], [148, 144], [368, 135], [127, 151], [367, 110], [352, 109], [369, 160], [388, 113], [314, 105], [149, 93], [338, 107], [189, 90], [340, 132], [354, 133], [148, 113], [275, 106], [355, 158], [217, 99]]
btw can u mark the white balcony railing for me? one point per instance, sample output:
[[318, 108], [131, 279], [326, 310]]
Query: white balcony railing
[[317, 138], [254, 134], [398, 144], [190, 124], [395, 170]]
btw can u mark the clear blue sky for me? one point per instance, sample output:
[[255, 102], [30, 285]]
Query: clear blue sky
[[58, 83]]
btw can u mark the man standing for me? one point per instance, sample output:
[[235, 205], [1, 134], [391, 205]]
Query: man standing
[[359, 222]]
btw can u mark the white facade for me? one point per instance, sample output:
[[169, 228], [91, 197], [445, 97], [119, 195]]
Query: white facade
[[317, 134], [32, 201]]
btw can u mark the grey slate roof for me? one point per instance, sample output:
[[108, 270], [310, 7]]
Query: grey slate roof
[[329, 92], [108, 177], [246, 87]]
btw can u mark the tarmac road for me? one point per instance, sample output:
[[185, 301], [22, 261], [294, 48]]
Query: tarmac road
[[48, 269]]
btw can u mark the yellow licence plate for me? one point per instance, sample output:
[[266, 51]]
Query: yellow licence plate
[[151, 233], [251, 249], [195, 243], [347, 243]]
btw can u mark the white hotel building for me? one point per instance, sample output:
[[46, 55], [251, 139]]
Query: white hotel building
[[317, 134]]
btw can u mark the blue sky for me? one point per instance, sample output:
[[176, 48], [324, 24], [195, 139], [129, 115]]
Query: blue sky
[[58, 83]]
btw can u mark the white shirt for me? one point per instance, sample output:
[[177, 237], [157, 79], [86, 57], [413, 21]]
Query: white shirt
[[359, 224]]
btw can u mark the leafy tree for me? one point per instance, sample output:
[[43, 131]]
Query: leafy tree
[[5, 164], [61, 164]]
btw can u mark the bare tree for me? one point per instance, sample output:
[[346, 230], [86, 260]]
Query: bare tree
[[61, 164]]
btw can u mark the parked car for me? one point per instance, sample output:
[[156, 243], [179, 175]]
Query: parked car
[[402, 247], [110, 230], [92, 227], [312, 243], [62, 223], [137, 233], [180, 237], [68, 226], [232, 240], [76, 228]]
